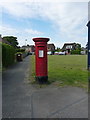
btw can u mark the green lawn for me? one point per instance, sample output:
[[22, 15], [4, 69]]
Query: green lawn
[[66, 70]]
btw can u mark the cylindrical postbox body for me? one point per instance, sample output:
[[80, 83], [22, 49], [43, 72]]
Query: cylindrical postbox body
[[41, 59]]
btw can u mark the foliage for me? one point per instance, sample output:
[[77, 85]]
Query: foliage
[[76, 52], [76, 46], [12, 40], [20, 50], [18, 53], [8, 55], [58, 49]]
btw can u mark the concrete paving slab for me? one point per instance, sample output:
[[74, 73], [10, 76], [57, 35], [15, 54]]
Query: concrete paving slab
[[76, 110], [50, 103]]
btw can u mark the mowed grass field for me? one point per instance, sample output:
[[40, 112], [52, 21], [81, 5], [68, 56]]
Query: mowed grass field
[[66, 70]]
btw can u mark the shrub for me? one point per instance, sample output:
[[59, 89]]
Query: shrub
[[8, 55], [76, 52], [20, 50]]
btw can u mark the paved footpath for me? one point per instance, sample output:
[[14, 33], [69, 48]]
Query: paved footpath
[[22, 100]]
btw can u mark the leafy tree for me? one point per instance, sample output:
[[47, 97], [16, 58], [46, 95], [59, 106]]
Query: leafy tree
[[78, 46], [58, 49], [12, 40], [76, 49]]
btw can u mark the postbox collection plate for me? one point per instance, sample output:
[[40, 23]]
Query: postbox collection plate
[[41, 53]]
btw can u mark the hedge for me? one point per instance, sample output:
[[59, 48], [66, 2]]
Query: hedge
[[76, 52], [8, 55]]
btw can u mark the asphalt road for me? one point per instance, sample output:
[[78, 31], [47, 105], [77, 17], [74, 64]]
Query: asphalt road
[[22, 100]]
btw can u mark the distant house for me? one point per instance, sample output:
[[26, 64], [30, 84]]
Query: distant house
[[29, 48], [83, 50], [50, 48], [68, 47]]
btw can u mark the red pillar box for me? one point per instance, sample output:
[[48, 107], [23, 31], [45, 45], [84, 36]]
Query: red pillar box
[[41, 59]]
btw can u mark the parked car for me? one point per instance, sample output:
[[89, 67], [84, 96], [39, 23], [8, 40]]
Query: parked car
[[61, 53], [49, 53], [83, 52], [56, 53]]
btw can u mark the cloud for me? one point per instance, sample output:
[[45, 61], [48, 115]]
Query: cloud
[[69, 19], [7, 30], [21, 34], [33, 32]]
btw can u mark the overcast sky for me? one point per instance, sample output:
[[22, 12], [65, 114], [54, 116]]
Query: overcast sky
[[61, 22]]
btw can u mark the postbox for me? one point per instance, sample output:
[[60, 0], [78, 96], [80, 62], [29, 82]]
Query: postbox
[[41, 59], [19, 57]]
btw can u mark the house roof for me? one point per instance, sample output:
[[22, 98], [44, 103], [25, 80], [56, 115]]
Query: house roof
[[50, 45], [69, 44], [64, 46]]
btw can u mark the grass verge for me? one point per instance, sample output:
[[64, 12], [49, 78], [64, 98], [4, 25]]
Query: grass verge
[[69, 70]]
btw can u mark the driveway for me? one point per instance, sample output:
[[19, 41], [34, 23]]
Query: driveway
[[22, 100]]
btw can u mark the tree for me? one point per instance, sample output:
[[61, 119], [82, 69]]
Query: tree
[[12, 40], [58, 49], [76, 49], [78, 46]]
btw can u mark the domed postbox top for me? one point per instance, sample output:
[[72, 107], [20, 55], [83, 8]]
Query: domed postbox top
[[40, 39]]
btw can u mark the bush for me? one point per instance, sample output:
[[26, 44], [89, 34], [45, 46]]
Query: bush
[[20, 50], [18, 53], [76, 52], [8, 55]]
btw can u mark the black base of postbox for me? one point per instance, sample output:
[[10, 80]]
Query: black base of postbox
[[42, 79]]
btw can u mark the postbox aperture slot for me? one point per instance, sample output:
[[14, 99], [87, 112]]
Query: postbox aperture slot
[[41, 53]]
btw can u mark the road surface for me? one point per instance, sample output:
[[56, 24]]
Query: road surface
[[22, 100]]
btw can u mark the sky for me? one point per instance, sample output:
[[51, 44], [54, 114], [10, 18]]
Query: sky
[[62, 22]]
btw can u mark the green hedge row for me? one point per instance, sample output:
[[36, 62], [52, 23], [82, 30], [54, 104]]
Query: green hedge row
[[76, 52], [8, 55]]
